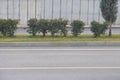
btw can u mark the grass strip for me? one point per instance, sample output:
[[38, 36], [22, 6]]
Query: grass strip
[[57, 38]]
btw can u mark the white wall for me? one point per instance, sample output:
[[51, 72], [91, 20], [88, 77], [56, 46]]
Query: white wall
[[85, 12]]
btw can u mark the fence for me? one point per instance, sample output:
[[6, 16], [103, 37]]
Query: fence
[[85, 10]]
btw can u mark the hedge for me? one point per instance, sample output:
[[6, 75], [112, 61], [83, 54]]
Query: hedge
[[45, 25], [77, 27], [33, 29], [8, 27], [98, 28]]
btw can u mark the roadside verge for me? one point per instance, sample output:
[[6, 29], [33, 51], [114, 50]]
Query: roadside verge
[[59, 44]]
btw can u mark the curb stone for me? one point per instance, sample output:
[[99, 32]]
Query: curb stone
[[59, 44]]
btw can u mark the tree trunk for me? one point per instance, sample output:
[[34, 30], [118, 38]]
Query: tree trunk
[[44, 33], [110, 30], [53, 34], [65, 35], [34, 34]]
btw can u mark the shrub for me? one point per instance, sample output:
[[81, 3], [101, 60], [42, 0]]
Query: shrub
[[77, 27], [33, 28], [43, 25], [98, 28], [54, 26], [62, 27], [8, 27], [104, 27], [3, 26], [12, 26]]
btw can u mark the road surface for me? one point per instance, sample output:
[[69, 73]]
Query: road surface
[[60, 63], [72, 74]]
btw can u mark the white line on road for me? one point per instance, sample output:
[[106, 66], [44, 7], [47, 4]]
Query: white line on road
[[56, 68], [60, 49]]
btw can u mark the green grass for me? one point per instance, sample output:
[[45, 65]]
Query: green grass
[[69, 38]]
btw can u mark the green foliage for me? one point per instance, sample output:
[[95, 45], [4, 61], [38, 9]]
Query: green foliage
[[104, 27], [33, 28], [54, 26], [12, 26], [43, 26], [77, 27], [109, 9], [63, 28], [98, 28], [82, 38], [3, 26], [8, 27]]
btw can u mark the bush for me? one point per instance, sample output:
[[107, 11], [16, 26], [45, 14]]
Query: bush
[[104, 27], [8, 27], [12, 26], [77, 27], [3, 26], [54, 27], [43, 25], [98, 28], [33, 27], [63, 28]]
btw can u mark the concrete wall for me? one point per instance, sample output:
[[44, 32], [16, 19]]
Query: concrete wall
[[86, 10]]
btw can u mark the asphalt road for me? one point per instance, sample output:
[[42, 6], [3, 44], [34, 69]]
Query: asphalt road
[[60, 64], [74, 74], [59, 58]]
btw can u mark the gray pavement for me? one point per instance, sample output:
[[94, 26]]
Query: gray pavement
[[60, 57], [77, 74], [86, 63]]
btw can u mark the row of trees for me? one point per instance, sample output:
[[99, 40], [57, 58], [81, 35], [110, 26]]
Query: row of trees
[[54, 26], [44, 25], [8, 27], [109, 9], [59, 26]]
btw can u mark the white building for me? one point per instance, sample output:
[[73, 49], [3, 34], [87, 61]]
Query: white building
[[85, 10]]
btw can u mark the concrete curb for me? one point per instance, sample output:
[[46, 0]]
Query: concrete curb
[[60, 44]]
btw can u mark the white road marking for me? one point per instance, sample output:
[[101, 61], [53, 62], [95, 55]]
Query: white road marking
[[118, 49], [56, 68]]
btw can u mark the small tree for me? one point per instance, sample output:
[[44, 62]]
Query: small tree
[[109, 11], [11, 27], [3, 27], [54, 26], [77, 27], [1, 24], [98, 28], [33, 28], [43, 25], [8, 27], [63, 27]]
